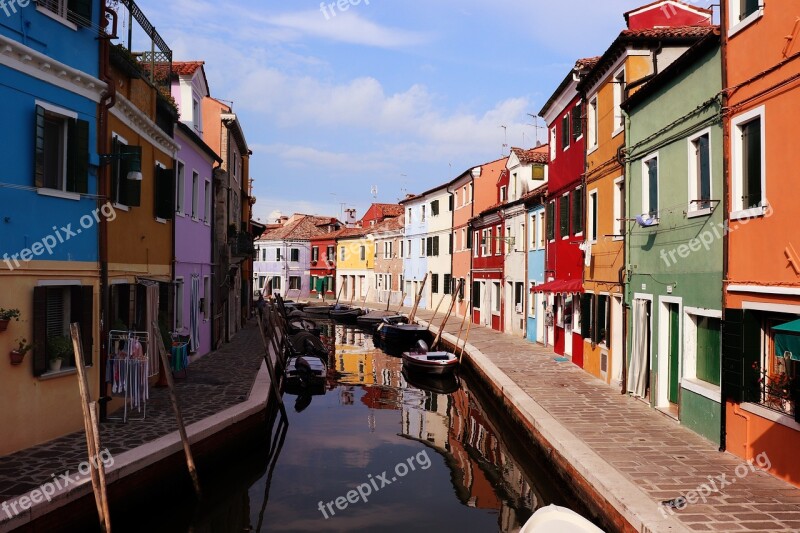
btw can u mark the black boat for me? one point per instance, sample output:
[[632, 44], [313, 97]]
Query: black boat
[[299, 324], [398, 338], [374, 318], [346, 315]]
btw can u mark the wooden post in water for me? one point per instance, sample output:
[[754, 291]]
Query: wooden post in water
[[460, 331], [436, 311], [402, 301], [444, 321], [338, 295], [469, 326], [417, 300], [366, 295], [187, 450], [271, 369], [89, 408]]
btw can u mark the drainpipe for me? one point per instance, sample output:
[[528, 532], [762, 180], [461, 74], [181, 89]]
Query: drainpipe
[[107, 101], [726, 202], [623, 273]]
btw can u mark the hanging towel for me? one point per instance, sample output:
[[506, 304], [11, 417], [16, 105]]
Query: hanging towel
[[645, 220]]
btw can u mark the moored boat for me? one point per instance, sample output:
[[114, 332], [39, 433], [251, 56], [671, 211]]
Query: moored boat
[[346, 315], [425, 362], [561, 519], [396, 338], [374, 318], [306, 370]]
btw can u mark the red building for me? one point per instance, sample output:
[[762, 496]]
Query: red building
[[659, 15], [488, 260], [323, 261], [377, 213], [563, 285]]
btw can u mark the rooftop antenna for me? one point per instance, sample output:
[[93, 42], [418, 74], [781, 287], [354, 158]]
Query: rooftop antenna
[[505, 143], [537, 127], [374, 192]]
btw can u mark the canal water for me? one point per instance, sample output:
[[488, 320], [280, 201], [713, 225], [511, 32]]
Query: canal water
[[377, 451]]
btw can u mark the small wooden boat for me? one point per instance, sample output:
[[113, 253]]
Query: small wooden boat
[[306, 370], [398, 338], [323, 310], [346, 315], [424, 362], [298, 324], [374, 318], [561, 519]]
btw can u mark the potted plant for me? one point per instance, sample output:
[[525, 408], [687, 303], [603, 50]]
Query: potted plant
[[58, 349], [18, 354], [5, 317]]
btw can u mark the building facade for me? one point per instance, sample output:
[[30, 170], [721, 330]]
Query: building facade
[[389, 243], [355, 267], [674, 159], [536, 250], [415, 263]]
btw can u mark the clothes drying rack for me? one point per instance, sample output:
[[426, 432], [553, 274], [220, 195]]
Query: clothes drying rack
[[127, 371]]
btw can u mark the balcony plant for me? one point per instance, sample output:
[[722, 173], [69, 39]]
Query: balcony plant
[[6, 315], [58, 349], [18, 353]]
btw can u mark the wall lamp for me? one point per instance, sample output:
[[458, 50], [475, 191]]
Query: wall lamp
[[133, 158]]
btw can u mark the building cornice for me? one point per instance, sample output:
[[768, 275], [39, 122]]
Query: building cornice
[[138, 121], [24, 59]]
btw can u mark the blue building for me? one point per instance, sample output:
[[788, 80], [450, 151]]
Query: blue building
[[414, 249], [537, 245], [50, 212]]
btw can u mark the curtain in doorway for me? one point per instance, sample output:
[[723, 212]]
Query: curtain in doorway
[[152, 318], [194, 315], [637, 369]]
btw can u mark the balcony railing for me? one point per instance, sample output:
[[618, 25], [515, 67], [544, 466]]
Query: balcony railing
[[242, 245]]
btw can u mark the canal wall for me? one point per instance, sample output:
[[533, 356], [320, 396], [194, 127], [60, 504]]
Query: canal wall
[[150, 465], [615, 502]]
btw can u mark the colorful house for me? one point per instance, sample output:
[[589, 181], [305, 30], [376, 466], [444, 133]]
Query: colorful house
[[415, 263], [564, 115], [526, 170], [473, 191], [762, 286], [652, 41], [388, 237], [536, 249], [50, 95], [439, 248], [675, 182], [323, 262], [193, 210], [355, 266]]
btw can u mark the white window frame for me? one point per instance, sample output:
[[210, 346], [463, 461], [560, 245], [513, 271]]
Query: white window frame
[[645, 183], [497, 292], [498, 247], [63, 114], [180, 185], [619, 96], [592, 223], [540, 235], [593, 123], [60, 16], [618, 222], [195, 195], [476, 243], [532, 231], [689, 380], [694, 174], [553, 143], [503, 193], [734, 13], [738, 211], [208, 195]]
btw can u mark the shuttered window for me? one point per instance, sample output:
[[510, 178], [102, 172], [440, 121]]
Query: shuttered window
[[563, 215], [164, 191], [435, 283], [551, 215], [448, 284], [708, 349], [435, 208], [577, 121], [587, 301], [54, 308], [61, 152], [577, 211], [565, 127], [751, 163], [476, 294], [124, 191]]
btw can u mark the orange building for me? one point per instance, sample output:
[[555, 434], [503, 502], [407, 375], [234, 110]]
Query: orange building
[[651, 42], [761, 331]]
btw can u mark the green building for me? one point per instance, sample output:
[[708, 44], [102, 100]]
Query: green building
[[674, 238]]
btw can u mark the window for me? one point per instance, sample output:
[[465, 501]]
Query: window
[[276, 283], [387, 250], [124, 191], [195, 192], [532, 232], [577, 211], [207, 199], [503, 194], [532, 299], [518, 242], [708, 348], [402, 249], [747, 8], [553, 148], [476, 294], [206, 303], [435, 208], [519, 289], [619, 217], [619, 96], [540, 230], [587, 316], [450, 203], [448, 284], [408, 216], [432, 246], [603, 320], [196, 115], [496, 292], [450, 237], [408, 247], [593, 123], [330, 254], [498, 240], [62, 150], [54, 308], [179, 303], [423, 213], [744, 12], [471, 192], [507, 235], [277, 254], [181, 188], [464, 236], [435, 283], [315, 253], [342, 253], [747, 165], [700, 172], [79, 13], [563, 216], [294, 283], [551, 221], [363, 253], [565, 133], [593, 216], [422, 250], [263, 254], [483, 245], [464, 196], [577, 122], [294, 255], [650, 187]]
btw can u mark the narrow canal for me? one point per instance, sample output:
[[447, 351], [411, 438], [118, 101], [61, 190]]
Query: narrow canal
[[419, 456]]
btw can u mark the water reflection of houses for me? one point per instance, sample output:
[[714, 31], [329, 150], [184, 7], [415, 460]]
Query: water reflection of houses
[[483, 474]]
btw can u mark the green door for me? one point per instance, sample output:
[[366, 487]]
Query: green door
[[674, 362]]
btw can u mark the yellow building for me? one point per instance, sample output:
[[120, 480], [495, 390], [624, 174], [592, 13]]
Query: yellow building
[[355, 265]]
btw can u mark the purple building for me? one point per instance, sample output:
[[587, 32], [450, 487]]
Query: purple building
[[193, 211]]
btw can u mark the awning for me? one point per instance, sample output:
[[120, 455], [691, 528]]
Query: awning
[[787, 340], [569, 286]]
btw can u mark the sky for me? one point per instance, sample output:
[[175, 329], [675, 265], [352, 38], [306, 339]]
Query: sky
[[342, 108]]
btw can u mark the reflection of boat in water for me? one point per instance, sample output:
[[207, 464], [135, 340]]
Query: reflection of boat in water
[[438, 384], [561, 519]]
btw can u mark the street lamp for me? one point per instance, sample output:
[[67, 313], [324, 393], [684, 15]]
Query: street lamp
[[133, 158]]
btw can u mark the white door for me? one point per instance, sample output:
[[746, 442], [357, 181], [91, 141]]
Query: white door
[[540, 308]]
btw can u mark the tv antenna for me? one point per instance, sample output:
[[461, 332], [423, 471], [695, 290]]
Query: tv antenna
[[505, 142], [374, 192], [537, 127]]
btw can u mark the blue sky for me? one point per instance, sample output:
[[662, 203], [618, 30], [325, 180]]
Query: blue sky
[[404, 95]]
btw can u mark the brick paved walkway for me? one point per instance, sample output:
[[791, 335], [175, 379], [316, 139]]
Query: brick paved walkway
[[657, 454], [216, 382]]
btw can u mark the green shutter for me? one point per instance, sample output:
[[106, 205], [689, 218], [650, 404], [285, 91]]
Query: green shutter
[[577, 121], [39, 331], [577, 211], [704, 169], [586, 315], [751, 144], [78, 156], [708, 349], [38, 154], [741, 350], [563, 206], [82, 11], [551, 213]]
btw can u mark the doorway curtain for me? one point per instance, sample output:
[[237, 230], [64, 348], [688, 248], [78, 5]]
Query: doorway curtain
[[637, 368], [194, 315]]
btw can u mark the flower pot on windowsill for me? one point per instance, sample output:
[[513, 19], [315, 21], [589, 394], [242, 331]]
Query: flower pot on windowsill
[[4, 325], [55, 365], [16, 357]]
